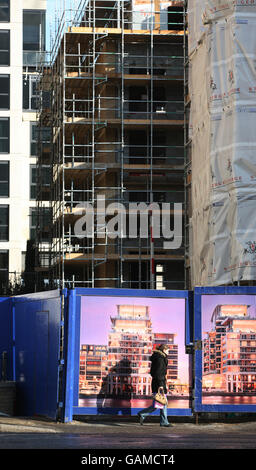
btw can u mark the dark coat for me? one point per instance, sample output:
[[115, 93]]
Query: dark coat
[[159, 362]]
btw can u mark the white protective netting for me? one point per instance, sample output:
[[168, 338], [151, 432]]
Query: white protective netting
[[222, 81]]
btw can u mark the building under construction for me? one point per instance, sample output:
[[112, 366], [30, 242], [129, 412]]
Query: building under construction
[[116, 113]]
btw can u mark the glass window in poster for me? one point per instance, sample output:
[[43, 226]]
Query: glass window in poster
[[229, 349], [117, 338]]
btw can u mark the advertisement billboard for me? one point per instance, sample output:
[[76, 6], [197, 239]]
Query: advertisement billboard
[[226, 348], [117, 336]]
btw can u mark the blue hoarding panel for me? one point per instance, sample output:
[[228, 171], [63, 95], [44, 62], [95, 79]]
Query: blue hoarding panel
[[88, 334], [37, 346], [225, 347], [70, 327], [6, 339]]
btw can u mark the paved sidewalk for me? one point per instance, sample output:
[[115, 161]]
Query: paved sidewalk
[[124, 434]]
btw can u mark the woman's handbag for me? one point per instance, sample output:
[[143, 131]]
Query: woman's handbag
[[160, 398]]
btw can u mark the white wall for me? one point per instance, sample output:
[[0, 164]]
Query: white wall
[[144, 15], [19, 157]]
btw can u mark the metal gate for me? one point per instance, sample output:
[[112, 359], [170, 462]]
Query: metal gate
[[36, 328]]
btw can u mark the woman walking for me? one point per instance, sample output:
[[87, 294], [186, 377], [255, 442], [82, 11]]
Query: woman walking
[[159, 362]]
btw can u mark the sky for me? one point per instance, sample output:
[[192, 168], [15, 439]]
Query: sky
[[50, 21], [167, 316], [209, 302], [54, 7]]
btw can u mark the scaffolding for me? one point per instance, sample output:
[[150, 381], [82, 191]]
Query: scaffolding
[[117, 117], [187, 160], [43, 210]]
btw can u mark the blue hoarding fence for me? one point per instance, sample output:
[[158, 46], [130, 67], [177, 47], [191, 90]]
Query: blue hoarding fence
[[6, 340], [40, 350], [30, 327]]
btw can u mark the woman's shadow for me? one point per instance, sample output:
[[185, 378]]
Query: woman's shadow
[[115, 394]]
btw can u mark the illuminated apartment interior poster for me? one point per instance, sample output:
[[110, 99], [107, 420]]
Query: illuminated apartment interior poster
[[117, 338], [229, 349]]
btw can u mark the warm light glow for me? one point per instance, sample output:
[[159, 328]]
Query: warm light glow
[[233, 310]]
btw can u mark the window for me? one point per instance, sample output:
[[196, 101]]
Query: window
[[138, 146], [159, 197], [4, 134], [44, 259], [4, 179], [45, 218], [46, 134], [45, 223], [4, 11], [33, 30], [4, 266], [138, 99], [175, 18], [45, 178], [4, 223], [46, 175], [44, 140], [46, 99], [4, 91], [135, 196], [32, 222], [160, 277], [159, 98], [33, 138], [30, 93], [4, 47], [23, 261], [32, 181], [159, 146]]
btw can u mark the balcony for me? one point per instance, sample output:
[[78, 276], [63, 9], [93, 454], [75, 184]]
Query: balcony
[[34, 58]]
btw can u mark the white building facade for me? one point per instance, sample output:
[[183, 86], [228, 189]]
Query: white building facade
[[22, 43]]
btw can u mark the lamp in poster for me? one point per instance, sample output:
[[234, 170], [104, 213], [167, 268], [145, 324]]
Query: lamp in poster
[[117, 338], [229, 349]]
